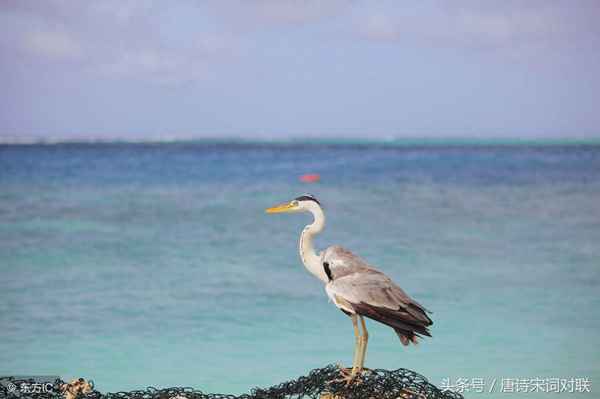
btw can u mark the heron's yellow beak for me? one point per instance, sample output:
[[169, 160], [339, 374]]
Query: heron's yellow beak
[[281, 208]]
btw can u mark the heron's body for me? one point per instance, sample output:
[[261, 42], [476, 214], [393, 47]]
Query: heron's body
[[355, 287], [358, 288]]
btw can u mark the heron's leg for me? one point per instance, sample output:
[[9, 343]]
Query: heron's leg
[[357, 343], [349, 375], [364, 339]]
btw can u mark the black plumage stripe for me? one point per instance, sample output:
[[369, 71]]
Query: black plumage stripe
[[328, 271], [307, 197]]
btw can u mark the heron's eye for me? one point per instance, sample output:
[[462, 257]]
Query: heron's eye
[[295, 203]]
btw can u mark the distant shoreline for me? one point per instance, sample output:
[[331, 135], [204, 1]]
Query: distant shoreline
[[293, 142]]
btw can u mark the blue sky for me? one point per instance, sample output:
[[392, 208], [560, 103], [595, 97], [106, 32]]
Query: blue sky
[[275, 69]]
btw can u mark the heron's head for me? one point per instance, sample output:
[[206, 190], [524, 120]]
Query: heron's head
[[304, 203]]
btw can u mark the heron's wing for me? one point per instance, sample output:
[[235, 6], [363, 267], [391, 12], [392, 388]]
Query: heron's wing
[[374, 288], [356, 277], [367, 291]]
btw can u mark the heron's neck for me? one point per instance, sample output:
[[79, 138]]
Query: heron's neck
[[309, 257]]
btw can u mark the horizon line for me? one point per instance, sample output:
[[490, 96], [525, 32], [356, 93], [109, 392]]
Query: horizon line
[[306, 139]]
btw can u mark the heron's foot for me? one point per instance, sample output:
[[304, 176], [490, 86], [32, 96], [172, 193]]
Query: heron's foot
[[348, 378], [349, 375]]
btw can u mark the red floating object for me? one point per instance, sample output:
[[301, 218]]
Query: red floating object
[[310, 178]]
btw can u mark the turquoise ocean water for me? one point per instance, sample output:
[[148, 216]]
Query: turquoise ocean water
[[155, 264]]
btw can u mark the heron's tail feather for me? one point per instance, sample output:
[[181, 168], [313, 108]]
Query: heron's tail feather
[[407, 337], [406, 324]]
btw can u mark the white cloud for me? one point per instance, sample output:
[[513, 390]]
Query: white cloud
[[182, 40], [380, 27], [54, 45], [296, 12], [243, 16], [119, 39], [148, 40], [159, 66], [480, 24]]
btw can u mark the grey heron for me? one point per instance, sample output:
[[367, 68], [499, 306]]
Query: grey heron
[[357, 288]]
